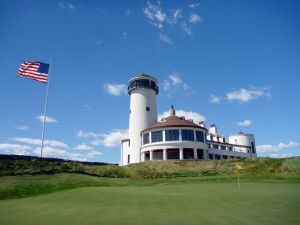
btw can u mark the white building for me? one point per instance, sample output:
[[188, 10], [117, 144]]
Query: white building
[[173, 138]]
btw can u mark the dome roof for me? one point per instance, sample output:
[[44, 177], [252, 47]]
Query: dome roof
[[173, 121], [143, 76], [241, 133]]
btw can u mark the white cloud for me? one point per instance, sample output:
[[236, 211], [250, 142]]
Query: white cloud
[[23, 127], [86, 106], [176, 16], [176, 79], [48, 119], [32, 141], [14, 149], [175, 83], [84, 146], [246, 95], [61, 5], [196, 117], [66, 5], [276, 148], [99, 42], [115, 89], [72, 7], [194, 18], [245, 123], [186, 28], [49, 151], [127, 12], [155, 14], [172, 19], [166, 85], [59, 153], [283, 155], [111, 139], [165, 38], [124, 35], [194, 5], [92, 154], [214, 99], [84, 134], [79, 159]]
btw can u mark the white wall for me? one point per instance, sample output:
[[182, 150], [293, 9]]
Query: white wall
[[140, 119]]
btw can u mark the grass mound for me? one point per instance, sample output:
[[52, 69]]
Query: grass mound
[[155, 169]]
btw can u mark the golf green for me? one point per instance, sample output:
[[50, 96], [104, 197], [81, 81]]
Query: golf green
[[182, 203]]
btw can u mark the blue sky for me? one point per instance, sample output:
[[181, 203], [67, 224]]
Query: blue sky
[[233, 63]]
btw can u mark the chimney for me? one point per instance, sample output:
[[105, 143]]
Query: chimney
[[201, 124], [213, 129]]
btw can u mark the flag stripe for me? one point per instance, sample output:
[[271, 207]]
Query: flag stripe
[[30, 67], [33, 73], [33, 76]]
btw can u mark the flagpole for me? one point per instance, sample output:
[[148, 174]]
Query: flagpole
[[45, 111], [238, 175]]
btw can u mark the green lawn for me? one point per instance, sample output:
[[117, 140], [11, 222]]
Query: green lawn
[[177, 201]]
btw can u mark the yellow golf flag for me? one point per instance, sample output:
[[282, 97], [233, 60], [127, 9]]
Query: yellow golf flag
[[238, 168]]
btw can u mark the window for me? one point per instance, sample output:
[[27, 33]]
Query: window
[[188, 153], [199, 136], [156, 136], [230, 148], [187, 135], [143, 83], [253, 147], [216, 146], [146, 138], [223, 147], [128, 159], [172, 135], [148, 109], [147, 155]]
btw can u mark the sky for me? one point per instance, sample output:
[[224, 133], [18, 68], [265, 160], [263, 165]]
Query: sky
[[232, 63]]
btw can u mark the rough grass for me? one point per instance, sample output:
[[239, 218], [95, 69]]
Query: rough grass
[[154, 169]]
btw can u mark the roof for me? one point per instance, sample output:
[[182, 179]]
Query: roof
[[173, 121], [141, 76], [240, 133]]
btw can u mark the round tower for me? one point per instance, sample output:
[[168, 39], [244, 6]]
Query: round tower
[[245, 140], [142, 90]]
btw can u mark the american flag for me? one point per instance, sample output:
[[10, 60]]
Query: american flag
[[34, 70]]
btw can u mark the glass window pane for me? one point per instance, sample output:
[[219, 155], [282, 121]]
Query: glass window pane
[[199, 136], [156, 136], [146, 138], [172, 135], [187, 135]]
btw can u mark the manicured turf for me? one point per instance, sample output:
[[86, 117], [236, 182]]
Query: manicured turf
[[198, 202]]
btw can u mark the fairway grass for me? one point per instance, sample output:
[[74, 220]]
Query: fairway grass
[[163, 203]]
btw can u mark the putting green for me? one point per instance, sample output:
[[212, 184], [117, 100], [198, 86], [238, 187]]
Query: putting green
[[182, 203]]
